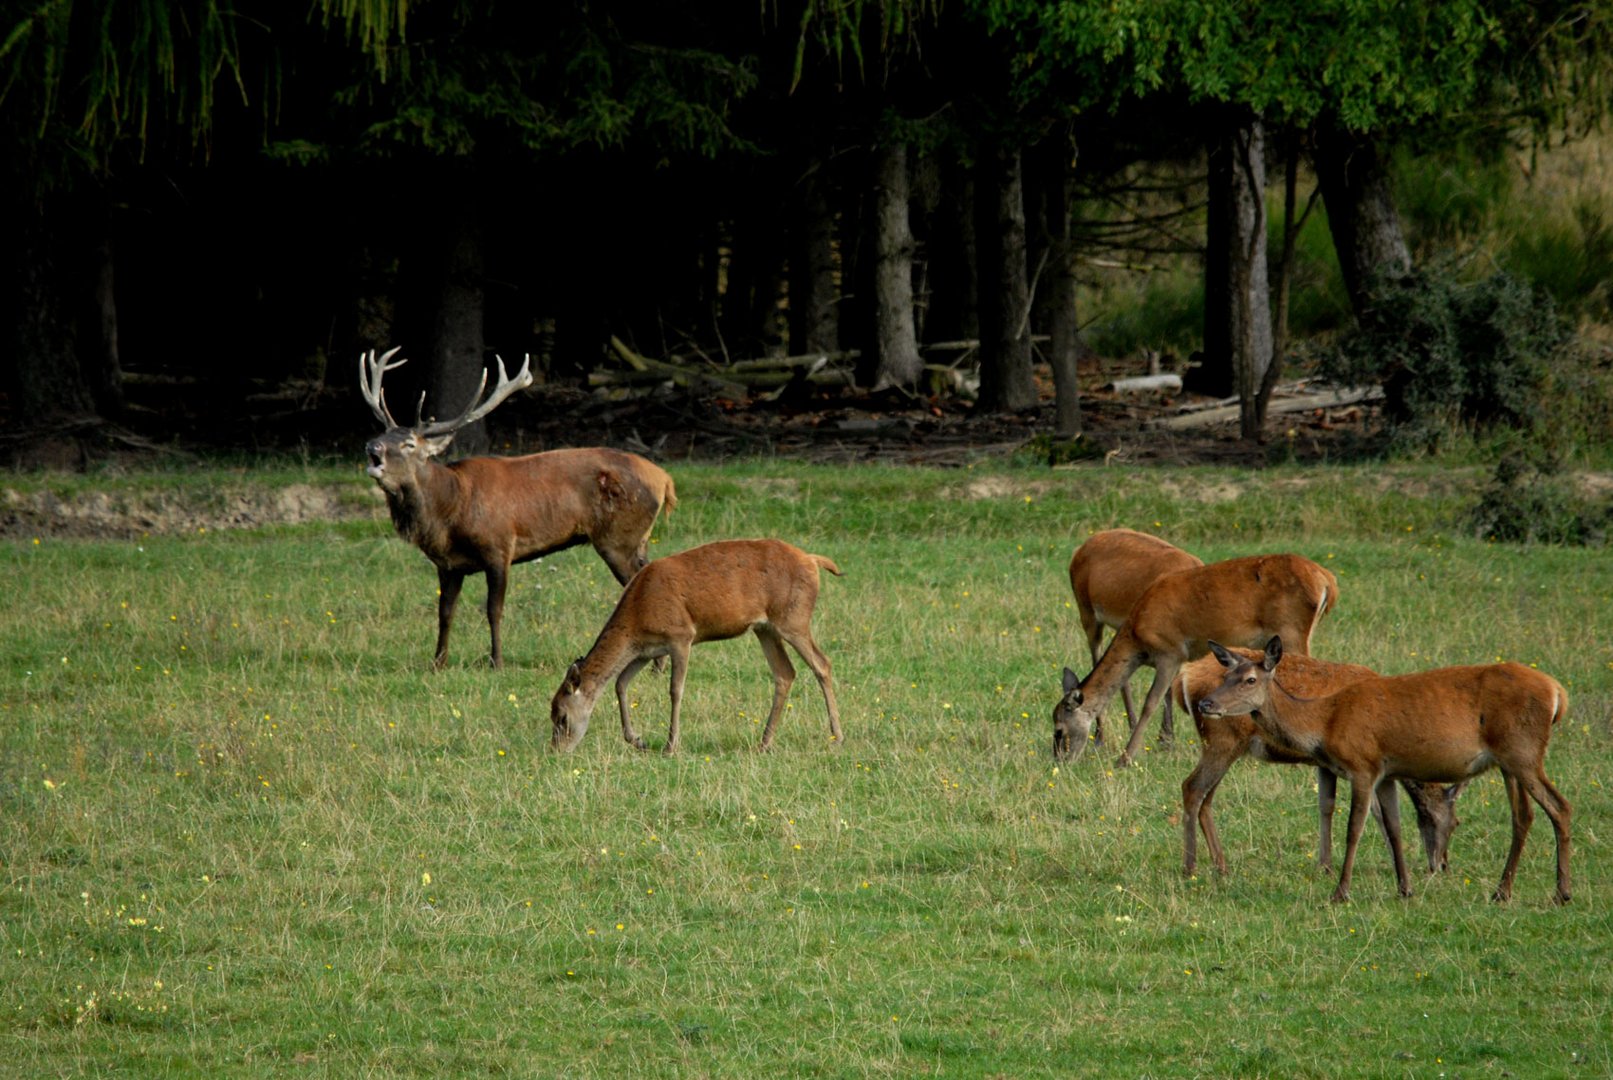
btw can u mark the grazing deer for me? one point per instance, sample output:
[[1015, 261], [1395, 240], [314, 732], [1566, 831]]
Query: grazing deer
[[1107, 574], [1242, 601], [1444, 725], [709, 593], [1225, 739], [483, 514]]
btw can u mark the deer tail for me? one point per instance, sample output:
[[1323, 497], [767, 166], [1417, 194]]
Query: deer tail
[[828, 564], [669, 498]]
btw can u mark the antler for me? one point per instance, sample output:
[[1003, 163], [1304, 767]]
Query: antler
[[370, 373], [474, 411]]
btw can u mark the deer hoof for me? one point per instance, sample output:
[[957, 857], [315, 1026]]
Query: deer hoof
[[1341, 897], [1560, 897]]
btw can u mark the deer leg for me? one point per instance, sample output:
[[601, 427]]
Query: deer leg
[[1556, 807], [1388, 797], [1167, 727], [1094, 631], [1360, 801], [801, 641], [449, 582], [498, 581], [1523, 816], [783, 679], [1197, 792], [633, 738], [1164, 674], [1327, 789], [680, 668]]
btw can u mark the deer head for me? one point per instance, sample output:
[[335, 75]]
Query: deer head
[[570, 709], [1071, 723], [399, 450]]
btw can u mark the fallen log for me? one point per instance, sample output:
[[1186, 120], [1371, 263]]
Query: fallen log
[[1333, 399], [1139, 384]]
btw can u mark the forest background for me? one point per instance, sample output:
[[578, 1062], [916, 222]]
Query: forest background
[[982, 206]]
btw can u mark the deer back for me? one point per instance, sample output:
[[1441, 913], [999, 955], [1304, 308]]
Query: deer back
[[1239, 601], [1448, 723], [550, 500], [1111, 571], [720, 590]]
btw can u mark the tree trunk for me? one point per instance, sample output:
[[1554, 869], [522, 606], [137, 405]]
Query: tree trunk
[[1064, 329], [1237, 293], [953, 267], [1360, 210], [45, 378], [1284, 273], [814, 314], [457, 340], [1006, 382], [857, 264], [895, 341], [98, 317]]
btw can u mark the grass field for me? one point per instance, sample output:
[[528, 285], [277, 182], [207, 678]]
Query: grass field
[[248, 830]]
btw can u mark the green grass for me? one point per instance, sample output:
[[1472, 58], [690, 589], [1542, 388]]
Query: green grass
[[226, 771]]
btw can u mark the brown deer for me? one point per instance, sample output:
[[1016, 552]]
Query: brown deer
[[483, 514], [709, 593], [1448, 724], [1107, 574], [1225, 739], [1242, 601]]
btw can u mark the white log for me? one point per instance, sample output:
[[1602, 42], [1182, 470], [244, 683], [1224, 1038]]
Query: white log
[[1143, 383]]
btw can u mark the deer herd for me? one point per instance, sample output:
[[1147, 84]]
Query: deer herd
[[1229, 642]]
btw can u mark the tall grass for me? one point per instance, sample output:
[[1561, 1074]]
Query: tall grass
[[249, 830]]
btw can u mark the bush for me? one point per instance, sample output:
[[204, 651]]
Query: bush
[[1453, 354], [1529, 501]]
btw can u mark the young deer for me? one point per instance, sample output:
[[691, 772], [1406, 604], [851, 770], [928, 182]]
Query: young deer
[[483, 514], [1448, 724], [1107, 574], [1225, 739], [709, 593], [1243, 601]]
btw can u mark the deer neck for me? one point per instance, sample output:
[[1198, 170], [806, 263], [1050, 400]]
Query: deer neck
[[1299, 722], [612, 651], [1120, 662], [423, 507]]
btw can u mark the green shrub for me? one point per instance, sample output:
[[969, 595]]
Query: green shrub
[[1453, 354], [1529, 500]]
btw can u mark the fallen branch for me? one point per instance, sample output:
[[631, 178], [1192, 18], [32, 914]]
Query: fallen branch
[[1335, 399], [682, 376], [1138, 384]]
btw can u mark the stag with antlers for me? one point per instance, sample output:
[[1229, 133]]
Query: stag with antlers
[[484, 514]]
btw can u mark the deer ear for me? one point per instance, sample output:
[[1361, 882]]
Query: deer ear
[[1274, 653], [435, 446], [1226, 659], [1070, 680]]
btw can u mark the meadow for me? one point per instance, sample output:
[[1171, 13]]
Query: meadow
[[248, 830]]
